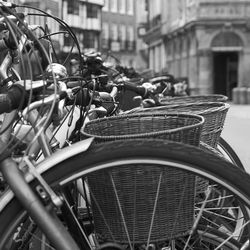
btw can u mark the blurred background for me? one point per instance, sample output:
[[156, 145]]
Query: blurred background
[[205, 42]]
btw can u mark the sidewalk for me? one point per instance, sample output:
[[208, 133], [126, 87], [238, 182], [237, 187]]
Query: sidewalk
[[239, 111], [237, 132]]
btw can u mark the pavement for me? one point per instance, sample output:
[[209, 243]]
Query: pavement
[[237, 132]]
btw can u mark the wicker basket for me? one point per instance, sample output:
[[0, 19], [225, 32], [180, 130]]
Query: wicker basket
[[213, 112], [194, 98], [175, 127], [135, 186]]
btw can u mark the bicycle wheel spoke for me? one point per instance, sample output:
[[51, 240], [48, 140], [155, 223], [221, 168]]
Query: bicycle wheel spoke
[[144, 203], [154, 209], [231, 236], [216, 199], [179, 206], [198, 218], [121, 212], [34, 236], [102, 215], [218, 214], [211, 222]]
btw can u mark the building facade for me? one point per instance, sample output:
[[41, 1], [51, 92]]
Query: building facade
[[206, 41], [118, 38], [36, 17], [84, 18], [141, 46]]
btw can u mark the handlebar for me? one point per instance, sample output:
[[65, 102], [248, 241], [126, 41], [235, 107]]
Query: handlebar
[[140, 90], [124, 85]]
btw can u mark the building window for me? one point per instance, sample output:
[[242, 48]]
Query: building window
[[130, 7], [114, 32], [122, 6], [106, 5], [114, 43], [105, 30], [89, 39], [105, 35], [130, 38], [130, 33], [113, 5], [122, 36], [92, 11], [73, 7]]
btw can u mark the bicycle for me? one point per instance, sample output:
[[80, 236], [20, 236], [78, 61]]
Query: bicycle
[[53, 179], [157, 101], [105, 149]]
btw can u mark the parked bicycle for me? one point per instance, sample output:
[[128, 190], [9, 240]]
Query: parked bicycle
[[148, 193]]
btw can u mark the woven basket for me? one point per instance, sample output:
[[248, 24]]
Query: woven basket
[[195, 98], [135, 186], [175, 127], [214, 114]]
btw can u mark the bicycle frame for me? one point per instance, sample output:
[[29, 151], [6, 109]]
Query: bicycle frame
[[42, 215]]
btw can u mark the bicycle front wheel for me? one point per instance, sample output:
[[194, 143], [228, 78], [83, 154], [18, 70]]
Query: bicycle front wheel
[[140, 194]]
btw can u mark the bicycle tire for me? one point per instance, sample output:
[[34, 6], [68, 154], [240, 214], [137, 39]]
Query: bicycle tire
[[116, 153], [225, 148]]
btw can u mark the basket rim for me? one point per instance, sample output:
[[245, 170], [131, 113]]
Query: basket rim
[[199, 118], [221, 106], [224, 97]]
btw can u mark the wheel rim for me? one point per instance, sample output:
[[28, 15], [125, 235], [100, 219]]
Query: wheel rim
[[217, 195]]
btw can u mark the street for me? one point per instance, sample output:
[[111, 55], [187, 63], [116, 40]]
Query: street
[[237, 132]]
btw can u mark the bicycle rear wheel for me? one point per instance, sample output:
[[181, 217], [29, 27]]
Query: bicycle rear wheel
[[229, 153], [215, 217]]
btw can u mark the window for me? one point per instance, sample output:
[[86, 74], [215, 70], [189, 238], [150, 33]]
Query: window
[[105, 35], [114, 32], [130, 7], [92, 11], [130, 33], [122, 32], [89, 40], [73, 7], [113, 5], [106, 5], [105, 31], [130, 38], [122, 36], [122, 6]]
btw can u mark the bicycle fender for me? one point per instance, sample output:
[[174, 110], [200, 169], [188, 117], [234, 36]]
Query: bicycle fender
[[49, 162], [62, 154]]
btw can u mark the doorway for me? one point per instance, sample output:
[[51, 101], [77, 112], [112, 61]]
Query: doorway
[[225, 72]]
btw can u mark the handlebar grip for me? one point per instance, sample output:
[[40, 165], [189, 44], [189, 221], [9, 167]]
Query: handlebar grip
[[73, 84], [140, 90], [15, 98]]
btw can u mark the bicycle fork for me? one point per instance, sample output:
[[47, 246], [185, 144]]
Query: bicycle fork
[[44, 218]]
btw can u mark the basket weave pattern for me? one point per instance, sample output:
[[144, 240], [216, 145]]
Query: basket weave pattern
[[136, 189], [131, 190], [214, 114]]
